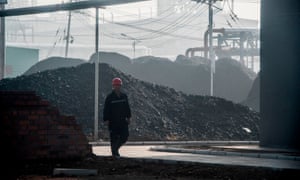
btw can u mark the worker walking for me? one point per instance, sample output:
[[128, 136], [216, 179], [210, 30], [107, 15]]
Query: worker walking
[[117, 115]]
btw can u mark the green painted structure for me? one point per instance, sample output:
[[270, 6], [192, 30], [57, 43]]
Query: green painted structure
[[19, 59]]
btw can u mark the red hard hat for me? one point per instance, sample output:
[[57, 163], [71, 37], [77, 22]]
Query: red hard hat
[[116, 81]]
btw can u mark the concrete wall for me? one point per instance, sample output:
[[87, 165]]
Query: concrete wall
[[280, 74]]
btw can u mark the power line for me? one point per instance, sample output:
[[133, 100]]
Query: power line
[[116, 36], [57, 40], [148, 30], [161, 31], [171, 26], [162, 16], [167, 30]]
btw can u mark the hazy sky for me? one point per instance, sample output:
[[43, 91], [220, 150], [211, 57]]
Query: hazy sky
[[243, 8], [248, 9]]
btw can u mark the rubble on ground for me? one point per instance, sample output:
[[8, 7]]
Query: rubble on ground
[[126, 168]]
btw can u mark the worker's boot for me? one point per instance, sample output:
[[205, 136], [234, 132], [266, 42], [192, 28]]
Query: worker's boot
[[115, 150]]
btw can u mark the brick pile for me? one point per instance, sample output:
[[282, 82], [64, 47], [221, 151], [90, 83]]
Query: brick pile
[[36, 130]]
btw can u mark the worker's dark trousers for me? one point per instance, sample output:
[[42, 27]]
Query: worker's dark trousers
[[118, 137]]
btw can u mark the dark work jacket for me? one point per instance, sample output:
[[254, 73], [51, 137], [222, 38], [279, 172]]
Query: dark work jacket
[[116, 109]]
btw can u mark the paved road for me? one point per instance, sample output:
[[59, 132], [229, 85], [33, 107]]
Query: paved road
[[143, 152]]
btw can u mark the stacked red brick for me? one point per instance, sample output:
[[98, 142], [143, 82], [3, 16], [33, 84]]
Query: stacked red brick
[[36, 130]]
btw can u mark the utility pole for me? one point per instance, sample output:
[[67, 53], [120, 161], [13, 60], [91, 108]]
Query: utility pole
[[211, 51], [2, 43], [135, 41], [96, 76], [133, 46], [210, 36], [68, 34]]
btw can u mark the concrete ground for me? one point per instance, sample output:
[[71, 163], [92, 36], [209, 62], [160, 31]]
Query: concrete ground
[[148, 153]]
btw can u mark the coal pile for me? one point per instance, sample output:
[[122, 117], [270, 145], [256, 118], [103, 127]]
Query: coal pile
[[233, 81], [253, 99], [53, 63], [159, 112], [117, 60], [195, 60]]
